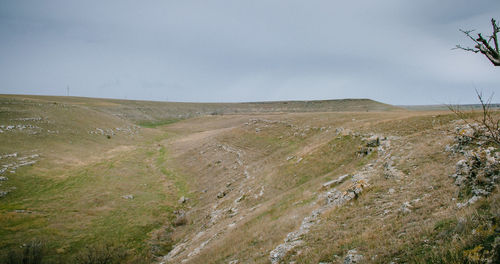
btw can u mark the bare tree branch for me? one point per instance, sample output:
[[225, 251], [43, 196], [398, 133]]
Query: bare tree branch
[[466, 49], [483, 45], [467, 33], [488, 126], [496, 30]]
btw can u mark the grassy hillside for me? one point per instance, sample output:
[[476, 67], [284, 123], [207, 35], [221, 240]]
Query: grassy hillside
[[299, 184], [69, 168], [150, 111]]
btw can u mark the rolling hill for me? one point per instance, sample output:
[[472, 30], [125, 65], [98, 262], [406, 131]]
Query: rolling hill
[[335, 181]]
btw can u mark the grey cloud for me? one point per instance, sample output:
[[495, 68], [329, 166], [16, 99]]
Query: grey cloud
[[395, 51]]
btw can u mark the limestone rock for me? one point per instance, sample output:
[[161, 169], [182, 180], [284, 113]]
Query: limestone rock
[[183, 200], [332, 183], [128, 196], [353, 257], [3, 193]]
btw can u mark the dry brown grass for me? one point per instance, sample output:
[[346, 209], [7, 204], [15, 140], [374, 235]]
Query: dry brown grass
[[270, 172]]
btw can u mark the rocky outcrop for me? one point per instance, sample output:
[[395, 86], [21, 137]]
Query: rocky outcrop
[[9, 163], [353, 257], [477, 173], [332, 183], [331, 198]]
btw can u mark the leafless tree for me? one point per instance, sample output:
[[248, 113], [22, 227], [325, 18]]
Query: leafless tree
[[488, 123], [484, 46]]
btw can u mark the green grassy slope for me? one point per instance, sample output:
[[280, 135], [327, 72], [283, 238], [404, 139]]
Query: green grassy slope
[[84, 163]]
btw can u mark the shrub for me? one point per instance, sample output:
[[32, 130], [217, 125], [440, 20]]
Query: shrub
[[31, 253], [101, 254]]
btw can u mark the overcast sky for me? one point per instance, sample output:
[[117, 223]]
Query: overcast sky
[[393, 51]]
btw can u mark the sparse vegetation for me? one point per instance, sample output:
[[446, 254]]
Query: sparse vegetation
[[95, 200], [101, 254], [485, 124], [30, 253], [154, 124]]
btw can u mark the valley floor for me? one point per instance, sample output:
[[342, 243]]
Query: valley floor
[[337, 187]]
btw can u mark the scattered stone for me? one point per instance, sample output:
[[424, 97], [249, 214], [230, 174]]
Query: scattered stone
[[261, 193], [2, 178], [365, 151], [406, 207], [13, 155], [232, 211], [332, 183], [174, 252], [353, 257], [373, 143], [472, 200], [183, 200], [128, 197], [3, 193], [197, 250], [333, 198], [239, 199], [21, 211], [280, 252], [391, 172], [391, 191], [221, 194]]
